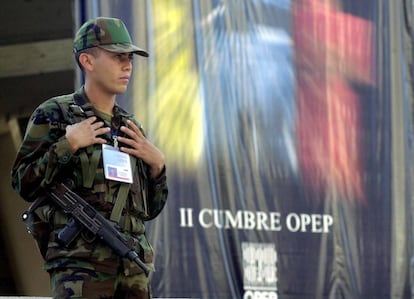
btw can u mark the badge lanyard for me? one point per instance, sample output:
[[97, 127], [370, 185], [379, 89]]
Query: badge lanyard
[[117, 164], [115, 126]]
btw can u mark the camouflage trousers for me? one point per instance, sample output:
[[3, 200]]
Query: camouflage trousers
[[89, 284]]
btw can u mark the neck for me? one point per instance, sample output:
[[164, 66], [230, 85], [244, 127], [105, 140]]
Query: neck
[[99, 99]]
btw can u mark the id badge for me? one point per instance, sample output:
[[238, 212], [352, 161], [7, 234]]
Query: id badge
[[117, 164]]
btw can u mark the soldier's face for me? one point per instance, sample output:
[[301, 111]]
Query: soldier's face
[[112, 71]]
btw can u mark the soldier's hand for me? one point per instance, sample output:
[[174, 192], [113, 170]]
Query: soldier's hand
[[85, 133], [141, 148]]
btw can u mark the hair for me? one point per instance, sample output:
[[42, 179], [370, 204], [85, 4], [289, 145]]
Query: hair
[[92, 51]]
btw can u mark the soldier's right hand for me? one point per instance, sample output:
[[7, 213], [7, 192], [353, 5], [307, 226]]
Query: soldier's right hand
[[85, 133]]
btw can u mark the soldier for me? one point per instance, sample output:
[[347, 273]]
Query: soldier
[[68, 137]]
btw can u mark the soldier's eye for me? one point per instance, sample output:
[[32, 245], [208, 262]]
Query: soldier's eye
[[125, 57]]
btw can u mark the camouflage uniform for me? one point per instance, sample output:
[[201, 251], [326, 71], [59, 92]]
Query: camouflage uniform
[[88, 268]]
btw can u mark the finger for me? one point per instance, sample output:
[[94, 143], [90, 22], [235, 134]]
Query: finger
[[97, 125], [129, 132], [90, 120], [128, 141], [102, 131], [130, 151], [100, 140], [133, 131], [135, 128]]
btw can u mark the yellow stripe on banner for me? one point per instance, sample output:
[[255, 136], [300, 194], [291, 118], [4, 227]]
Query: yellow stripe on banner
[[174, 107]]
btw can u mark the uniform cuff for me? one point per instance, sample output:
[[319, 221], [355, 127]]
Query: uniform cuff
[[160, 180], [63, 152]]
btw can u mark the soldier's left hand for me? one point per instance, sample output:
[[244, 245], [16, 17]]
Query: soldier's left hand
[[141, 148]]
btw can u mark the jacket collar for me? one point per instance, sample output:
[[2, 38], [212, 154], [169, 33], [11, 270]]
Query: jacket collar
[[80, 98]]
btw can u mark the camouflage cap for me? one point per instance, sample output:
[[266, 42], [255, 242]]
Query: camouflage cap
[[110, 34]]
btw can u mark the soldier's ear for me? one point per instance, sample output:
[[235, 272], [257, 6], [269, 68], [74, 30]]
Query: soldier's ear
[[85, 60]]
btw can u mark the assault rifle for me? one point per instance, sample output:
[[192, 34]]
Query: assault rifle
[[84, 216]]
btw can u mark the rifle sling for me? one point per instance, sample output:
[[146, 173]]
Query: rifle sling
[[122, 197], [89, 167]]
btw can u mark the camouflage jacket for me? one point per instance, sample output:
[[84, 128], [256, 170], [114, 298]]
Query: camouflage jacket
[[44, 158]]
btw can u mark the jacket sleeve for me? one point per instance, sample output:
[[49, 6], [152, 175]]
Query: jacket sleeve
[[43, 153], [158, 193]]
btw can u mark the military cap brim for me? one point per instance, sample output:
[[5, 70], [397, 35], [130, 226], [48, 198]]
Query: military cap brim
[[124, 48]]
